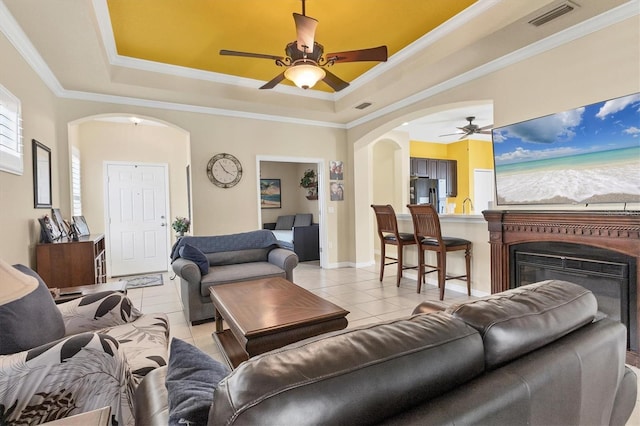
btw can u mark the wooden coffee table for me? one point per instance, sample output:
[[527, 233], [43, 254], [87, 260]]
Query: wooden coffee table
[[267, 314]]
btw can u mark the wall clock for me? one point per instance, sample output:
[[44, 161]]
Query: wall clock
[[224, 170]]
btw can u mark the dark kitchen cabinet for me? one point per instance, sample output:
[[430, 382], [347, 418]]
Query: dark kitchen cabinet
[[437, 169]]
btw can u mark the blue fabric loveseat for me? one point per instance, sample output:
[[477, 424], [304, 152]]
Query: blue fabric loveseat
[[202, 262]]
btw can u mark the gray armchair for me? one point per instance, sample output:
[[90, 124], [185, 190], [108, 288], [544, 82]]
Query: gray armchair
[[202, 262]]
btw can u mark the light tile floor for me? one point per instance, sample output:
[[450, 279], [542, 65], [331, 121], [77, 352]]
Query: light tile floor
[[357, 290]]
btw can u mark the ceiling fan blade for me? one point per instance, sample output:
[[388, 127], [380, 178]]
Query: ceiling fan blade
[[373, 54], [306, 31], [334, 81], [273, 82], [452, 134], [250, 55], [484, 132], [487, 127]]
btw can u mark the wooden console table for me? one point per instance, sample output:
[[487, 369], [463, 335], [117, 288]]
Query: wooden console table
[[67, 263]]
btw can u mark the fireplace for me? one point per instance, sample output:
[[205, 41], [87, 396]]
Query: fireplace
[[611, 276], [597, 249]]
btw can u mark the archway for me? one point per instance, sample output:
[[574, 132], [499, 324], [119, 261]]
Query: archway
[[364, 166], [128, 140]]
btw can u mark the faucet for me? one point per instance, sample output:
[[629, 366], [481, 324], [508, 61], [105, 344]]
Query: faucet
[[470, 205]]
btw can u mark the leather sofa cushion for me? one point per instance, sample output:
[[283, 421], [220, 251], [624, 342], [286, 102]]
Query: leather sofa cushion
[[364, 375], [518, 321], [240, 272], [151, 399]]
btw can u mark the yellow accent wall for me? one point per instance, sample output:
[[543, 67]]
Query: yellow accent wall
[[470, 154]]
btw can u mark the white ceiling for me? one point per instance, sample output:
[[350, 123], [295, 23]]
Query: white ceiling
[[432, 127]]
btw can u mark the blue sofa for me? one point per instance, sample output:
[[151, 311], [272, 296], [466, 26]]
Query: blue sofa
[[228, 258]]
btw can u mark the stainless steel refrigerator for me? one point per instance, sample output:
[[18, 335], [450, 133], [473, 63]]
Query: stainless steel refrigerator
[[429, 191]]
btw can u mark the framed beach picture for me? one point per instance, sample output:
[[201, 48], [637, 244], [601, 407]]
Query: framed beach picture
[[270, 194]]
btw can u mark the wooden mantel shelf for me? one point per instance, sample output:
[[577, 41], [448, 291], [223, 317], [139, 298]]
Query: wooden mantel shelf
[[612, 230]]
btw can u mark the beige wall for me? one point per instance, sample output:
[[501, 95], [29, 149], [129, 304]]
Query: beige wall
[[18, 218], [293, 196], [599, 66], [602, 65], [100, 142]]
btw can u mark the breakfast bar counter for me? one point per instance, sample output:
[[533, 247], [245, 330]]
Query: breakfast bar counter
[[472, 227]]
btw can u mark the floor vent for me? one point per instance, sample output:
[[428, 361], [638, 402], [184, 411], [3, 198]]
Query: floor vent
[[364, 105], [554, 13]]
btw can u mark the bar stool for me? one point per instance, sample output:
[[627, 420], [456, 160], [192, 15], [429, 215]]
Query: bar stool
[[388, 233], [428, 235]]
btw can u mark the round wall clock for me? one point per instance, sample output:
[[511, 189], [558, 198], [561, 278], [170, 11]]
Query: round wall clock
[[224, 170]]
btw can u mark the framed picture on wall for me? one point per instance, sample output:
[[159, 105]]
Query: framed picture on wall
[[270, 194]]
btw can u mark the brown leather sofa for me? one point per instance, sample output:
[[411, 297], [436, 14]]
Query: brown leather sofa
[[536, 355]]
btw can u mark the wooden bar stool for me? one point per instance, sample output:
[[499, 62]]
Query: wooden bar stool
[[388, 233], [428, 235]]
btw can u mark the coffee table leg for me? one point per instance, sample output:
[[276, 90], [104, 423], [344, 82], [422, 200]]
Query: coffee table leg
[[219, 322]]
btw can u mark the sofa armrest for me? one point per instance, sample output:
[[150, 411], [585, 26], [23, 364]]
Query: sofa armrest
[[187, 270], [152, 399], [626, 398], [97, 311], [270, 225], [66, 377], [285, 259]]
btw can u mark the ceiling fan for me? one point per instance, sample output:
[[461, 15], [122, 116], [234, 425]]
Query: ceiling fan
[[304, 62], [471, 128]]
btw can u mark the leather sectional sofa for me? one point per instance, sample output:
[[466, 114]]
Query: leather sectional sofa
[[537, 355], [227, 259]]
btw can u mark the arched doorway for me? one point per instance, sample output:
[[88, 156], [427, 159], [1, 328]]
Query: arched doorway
[[133, 142]]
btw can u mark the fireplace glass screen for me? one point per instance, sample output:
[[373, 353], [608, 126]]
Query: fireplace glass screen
[[608, 280]]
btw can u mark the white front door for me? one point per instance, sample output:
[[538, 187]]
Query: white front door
[[137, 218]]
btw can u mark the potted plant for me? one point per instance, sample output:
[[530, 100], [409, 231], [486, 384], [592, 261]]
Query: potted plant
[[181, 225], [310, 183]]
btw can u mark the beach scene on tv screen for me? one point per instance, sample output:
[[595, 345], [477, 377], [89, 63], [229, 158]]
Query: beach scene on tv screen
[[586, 155]]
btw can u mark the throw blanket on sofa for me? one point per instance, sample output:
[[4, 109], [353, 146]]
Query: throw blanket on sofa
[[262, 238]]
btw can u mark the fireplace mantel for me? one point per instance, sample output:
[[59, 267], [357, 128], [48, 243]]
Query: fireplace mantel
[[613, 230]]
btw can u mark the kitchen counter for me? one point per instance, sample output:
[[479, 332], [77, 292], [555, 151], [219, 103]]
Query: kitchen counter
[[453, 217]]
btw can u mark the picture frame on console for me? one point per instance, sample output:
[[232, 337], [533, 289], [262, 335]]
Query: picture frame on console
[[56, 216], [81, 226]]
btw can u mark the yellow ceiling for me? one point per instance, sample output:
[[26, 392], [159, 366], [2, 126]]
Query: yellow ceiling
[[190, 33]]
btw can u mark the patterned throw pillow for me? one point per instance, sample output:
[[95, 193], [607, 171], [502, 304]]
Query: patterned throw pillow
[[31, 320], [195, 255], [192, 377]]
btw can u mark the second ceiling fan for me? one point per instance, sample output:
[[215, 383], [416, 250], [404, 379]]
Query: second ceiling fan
[[305, 63], [471, 128]]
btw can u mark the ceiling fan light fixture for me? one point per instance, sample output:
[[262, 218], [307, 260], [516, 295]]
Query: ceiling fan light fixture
[[305, 74]]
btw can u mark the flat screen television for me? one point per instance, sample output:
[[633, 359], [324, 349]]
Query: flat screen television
[[585, 156]]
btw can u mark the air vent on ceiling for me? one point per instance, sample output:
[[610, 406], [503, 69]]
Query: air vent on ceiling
[[364, 105], [554, 13]]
